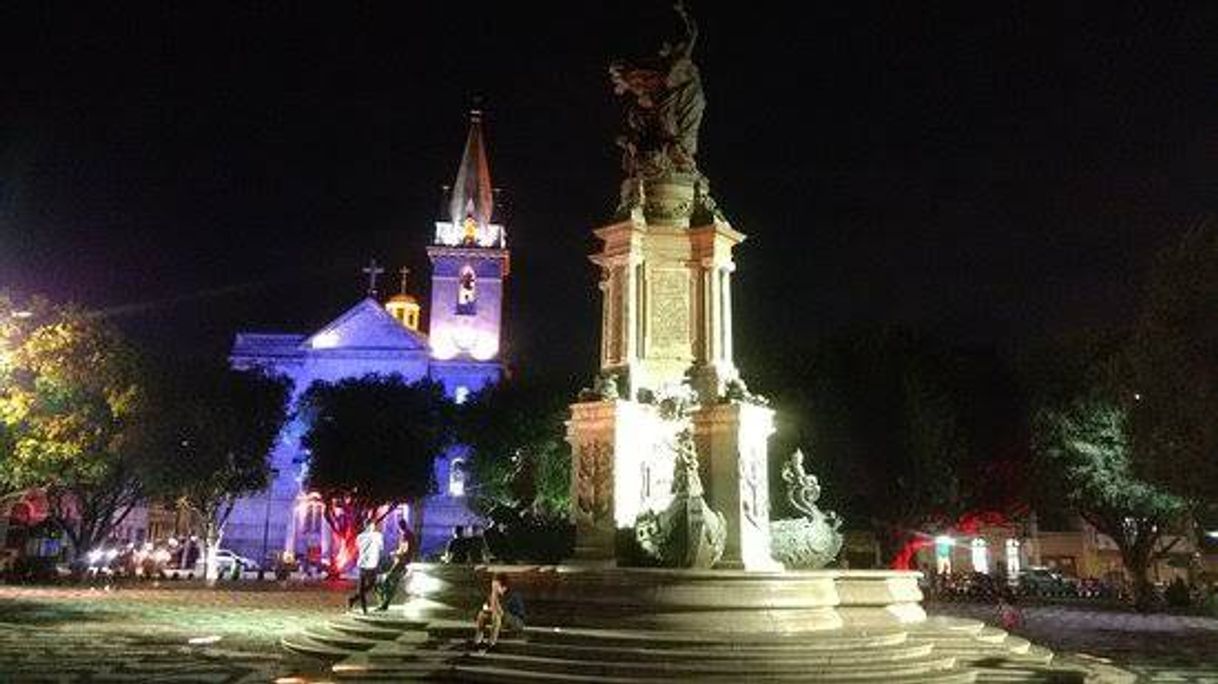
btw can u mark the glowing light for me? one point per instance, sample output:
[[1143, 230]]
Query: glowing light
[[461, 394], [443, 348], [943, 553], [980, 556], [1012, 558], [327, 339], [422, 584], [348, 667], [480, 344], [1212, 534], [210, 639], [485, 348], [22, 314], [464, 337], [456, 477]]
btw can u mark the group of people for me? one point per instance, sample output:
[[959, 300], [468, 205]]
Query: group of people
[[370, 547], [503, 607], [463, 549]]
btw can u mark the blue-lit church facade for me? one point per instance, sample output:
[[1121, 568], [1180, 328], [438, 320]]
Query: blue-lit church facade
[[461, 349]]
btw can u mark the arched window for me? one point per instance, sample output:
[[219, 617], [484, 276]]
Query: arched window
[[456, 477], [467, 291]]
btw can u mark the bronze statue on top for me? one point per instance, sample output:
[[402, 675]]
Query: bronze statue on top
[[664, 107]]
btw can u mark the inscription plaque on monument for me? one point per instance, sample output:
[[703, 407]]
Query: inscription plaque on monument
[[670, 313]]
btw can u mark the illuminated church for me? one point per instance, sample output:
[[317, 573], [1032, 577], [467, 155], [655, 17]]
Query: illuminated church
[[469, 261]]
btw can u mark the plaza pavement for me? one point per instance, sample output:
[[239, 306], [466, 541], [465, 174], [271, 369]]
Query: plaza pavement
[[1157, 647], [73, 634], [77, 634]]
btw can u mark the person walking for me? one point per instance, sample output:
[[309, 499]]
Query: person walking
[[399, 569], [370, 544]]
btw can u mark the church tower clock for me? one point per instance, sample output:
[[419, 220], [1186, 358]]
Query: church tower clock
[[469, 260]]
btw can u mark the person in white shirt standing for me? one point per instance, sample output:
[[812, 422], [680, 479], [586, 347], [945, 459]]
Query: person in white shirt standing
[[370, 544]]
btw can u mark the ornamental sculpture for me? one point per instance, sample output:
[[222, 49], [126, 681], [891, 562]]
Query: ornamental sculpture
[[664, 103], [687, 534], [811, 541]]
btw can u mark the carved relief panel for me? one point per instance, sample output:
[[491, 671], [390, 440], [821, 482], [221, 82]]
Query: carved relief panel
[[594, 482]]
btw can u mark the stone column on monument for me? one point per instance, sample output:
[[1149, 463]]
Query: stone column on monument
[[728, 359]]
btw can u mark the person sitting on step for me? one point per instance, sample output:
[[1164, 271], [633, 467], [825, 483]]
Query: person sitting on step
[[504, 606]]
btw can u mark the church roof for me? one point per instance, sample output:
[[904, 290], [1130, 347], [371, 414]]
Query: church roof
[[366, 326], [471, 193]]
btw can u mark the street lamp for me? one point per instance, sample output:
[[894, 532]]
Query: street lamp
[[266, 523]]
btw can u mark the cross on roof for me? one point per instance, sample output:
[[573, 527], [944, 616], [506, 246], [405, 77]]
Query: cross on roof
[[405, 271], [373, 270]]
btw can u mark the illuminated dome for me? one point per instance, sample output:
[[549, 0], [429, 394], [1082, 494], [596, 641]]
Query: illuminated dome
[[403, 306]]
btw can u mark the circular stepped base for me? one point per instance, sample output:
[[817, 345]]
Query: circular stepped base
[[880, 640]]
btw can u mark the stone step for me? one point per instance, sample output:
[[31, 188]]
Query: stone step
[[1026, 674], [982, 658], [340, 639], [365, 629], [947, 623], [859, 670], [359, 669], [491, 674], [302, 643], [826, 640], [1012, 646], [388, 620], [717, 652]]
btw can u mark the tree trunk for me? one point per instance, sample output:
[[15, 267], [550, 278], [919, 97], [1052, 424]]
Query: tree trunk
[[1137, 562]]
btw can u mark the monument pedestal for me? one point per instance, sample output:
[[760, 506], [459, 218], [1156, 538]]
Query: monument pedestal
[[732, 448], [622, 465], [619, 468]]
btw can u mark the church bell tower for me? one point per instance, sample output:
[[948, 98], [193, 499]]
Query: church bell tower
[[469, 260]]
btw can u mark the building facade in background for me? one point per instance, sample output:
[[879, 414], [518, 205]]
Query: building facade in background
[[461, 349]]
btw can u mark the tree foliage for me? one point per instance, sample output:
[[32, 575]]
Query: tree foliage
[[519, 459], [1088, 444], [1086, 450], [373, 442], [70, 392], [206, 436]]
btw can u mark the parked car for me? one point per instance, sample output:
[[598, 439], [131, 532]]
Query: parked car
[[226, 559], [1046, 582]]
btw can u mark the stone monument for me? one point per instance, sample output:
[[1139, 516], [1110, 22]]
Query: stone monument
[[669, 454], [666, 330]]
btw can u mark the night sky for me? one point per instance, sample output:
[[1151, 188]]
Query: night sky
[[989, 172]]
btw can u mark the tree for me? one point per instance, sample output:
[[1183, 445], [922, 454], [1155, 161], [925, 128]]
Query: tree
[[71, 390], [1087, 443], [881, 414], [1174, 364], [519, 459], [373, 442], [205, 440]]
